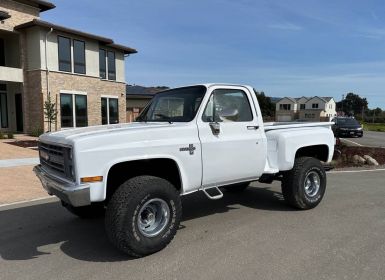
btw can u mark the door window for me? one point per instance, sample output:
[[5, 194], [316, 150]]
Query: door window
[[228, 105]]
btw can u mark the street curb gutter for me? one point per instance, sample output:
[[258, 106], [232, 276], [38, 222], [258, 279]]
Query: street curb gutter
[[355, 171], [24, 203]]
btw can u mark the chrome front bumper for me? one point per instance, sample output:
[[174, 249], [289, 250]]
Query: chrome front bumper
[[76, 195]]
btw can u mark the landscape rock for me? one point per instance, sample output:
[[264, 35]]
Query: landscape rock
[[358, 160], [369, 160]]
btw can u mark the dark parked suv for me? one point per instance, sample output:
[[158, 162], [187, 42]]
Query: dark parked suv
[[347, 127]]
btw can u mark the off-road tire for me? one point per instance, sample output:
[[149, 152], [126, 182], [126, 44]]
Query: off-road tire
[[293, 183], [237, 188], [121, 219], [86, 212]]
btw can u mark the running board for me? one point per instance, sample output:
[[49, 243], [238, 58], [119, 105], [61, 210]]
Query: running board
[[213, 197]]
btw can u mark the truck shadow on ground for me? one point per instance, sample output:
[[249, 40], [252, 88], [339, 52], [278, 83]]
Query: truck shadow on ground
[[29, 232]]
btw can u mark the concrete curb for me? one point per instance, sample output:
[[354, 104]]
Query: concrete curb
[[30, 202], [18, 162]]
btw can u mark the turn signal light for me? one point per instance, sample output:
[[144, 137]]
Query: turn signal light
[[91, 179]]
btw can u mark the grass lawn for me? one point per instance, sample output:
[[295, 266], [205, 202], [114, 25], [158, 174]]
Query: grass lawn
[[374, 126]]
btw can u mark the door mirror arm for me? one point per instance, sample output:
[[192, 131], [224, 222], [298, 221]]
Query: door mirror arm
[[215, 128]]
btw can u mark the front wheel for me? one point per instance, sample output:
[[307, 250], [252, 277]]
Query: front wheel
[[143, 215], [304, 186]]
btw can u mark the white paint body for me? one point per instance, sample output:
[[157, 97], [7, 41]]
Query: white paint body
[[237, 154]]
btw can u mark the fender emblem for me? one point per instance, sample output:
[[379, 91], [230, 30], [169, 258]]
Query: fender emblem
[[190, 149]]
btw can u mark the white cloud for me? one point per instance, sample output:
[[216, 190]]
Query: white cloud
[[286, 26]]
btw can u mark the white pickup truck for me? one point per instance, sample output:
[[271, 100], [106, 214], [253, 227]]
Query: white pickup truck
[[196, 138]]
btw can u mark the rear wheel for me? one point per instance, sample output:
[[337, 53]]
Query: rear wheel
[[237, 188], [143, 215], [304, 186]]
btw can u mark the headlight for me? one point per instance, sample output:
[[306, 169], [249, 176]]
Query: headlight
[[360, 128]]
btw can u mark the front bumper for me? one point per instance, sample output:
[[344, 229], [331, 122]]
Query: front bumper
[[350, 133], [76, 195]]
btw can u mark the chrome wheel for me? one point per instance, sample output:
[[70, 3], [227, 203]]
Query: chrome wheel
[[312, 183], [153, 217]]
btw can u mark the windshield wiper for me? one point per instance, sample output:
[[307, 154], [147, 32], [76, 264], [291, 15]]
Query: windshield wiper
[[142, 118], [167, 118]]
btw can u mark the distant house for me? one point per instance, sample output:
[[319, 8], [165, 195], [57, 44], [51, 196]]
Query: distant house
[[319, 109], [286, 110], [305, 108], [137, 98]]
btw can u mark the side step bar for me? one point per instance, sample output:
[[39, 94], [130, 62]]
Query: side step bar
[[213, 197]]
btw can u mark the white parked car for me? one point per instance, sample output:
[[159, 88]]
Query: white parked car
[[187, 139]]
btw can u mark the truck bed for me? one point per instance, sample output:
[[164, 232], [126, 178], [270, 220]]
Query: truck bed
[[286, 125]]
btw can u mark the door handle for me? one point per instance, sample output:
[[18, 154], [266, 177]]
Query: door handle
[[252, 127]]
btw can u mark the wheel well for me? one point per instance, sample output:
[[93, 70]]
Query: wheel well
[[320, 152], [163, 168]]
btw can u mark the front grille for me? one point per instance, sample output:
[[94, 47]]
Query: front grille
[[57, 159]]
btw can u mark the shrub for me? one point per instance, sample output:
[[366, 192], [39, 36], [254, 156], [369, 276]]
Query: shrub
[[36, 132], [10, 135], [1, 135]]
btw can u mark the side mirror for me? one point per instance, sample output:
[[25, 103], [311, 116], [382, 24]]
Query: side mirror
[[228, 113], [215, 128]]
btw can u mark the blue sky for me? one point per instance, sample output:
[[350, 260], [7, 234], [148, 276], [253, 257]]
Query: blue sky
[[285, 48]]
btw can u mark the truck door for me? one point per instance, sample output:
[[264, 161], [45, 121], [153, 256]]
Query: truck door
[[233, 146]]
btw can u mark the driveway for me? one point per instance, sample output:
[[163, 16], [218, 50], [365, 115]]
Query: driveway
[[370, 138], [249, 236]]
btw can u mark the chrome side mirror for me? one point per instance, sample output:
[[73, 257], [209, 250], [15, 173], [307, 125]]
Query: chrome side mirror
[[228, 113], [215, 128]]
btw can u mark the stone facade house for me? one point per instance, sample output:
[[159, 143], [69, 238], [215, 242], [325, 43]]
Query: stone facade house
[[305, 109], [81, 73]]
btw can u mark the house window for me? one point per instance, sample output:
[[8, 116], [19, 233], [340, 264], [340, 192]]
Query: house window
[[102, 64], [111, 65], [64, 48], [110, 110], [3, 107], [79, 57], [73, 108], [302, 106], [314, 105], [285, 107], [309, 116]]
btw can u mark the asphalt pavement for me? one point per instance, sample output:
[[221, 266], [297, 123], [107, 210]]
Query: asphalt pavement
[[370, 139], [253, 235]]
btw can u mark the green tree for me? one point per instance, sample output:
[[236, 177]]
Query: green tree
[[353, 104], [50, 112], [266, 105]]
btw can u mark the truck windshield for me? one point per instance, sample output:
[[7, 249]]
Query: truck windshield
[[347, 121], [175, 105]]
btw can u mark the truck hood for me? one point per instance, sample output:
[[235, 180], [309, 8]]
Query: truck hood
[[69, 136]]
